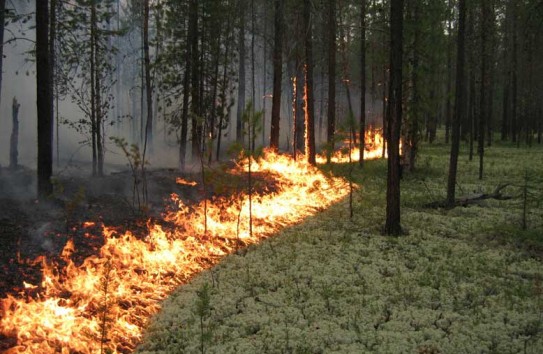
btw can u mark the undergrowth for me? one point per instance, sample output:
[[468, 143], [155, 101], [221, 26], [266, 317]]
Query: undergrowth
[[468, 279]]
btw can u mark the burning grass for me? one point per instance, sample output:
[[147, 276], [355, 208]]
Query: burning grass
[[461, 281], [103, 304]]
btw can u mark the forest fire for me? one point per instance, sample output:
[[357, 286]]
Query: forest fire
[[373, 149], [103, 304]]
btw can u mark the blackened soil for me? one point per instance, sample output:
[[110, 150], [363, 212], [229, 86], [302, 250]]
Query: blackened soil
[[80, 206]]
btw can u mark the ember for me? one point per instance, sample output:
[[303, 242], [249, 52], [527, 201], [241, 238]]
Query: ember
[[104, 303]]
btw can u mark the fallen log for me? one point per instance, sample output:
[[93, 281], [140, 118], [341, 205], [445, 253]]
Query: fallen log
[[471, 199]]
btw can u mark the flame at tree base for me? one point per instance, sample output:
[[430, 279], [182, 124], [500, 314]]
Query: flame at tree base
[[105, 303]]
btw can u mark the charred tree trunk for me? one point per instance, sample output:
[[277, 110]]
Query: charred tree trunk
[[459, 110], [331, 127], [43, 91], [309, 92], [2, 23], [385, 113], [362, 127], [394, 115], [14, 139], [298, 108], [277, 74]]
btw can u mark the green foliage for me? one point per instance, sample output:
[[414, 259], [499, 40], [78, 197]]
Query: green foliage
[[203, 311]]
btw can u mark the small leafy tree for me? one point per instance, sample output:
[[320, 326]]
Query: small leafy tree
[[85, 68], [137, 164]]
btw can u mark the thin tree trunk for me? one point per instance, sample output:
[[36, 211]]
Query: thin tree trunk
[[93, 117], [14, 139], [485, 84], [97, 84], [264, 76], [362, 127], [195, 80], [449, 78], [331, 128], [43, 91], [394, 114], [241, 83], [298, 106], [277, 74], [309, 93], [148, 88], [459, 105]]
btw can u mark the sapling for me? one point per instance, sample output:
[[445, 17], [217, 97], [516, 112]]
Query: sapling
[[203, 311]]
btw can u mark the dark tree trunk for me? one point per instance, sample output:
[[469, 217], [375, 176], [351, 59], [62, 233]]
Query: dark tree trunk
[[331, 127], [485, 83], [93, 114], [99, 116], [394, 118], [148, 87], [195, 80], [185, 111], [14, 139], [2, 22], [448, 113], [514, 77], [459, 110], [362, 127], [241, 77], [277, 74], [45, 119], [299, 117], [309, 92]]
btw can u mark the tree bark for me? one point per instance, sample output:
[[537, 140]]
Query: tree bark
[[277, 74], [485, 83], [362, 127], [148, 86], [195, 80], [309, 93], [448, 112], [2, 22], [394, 118], [331, 127], [459, 103], [14, 139], [43, 91]]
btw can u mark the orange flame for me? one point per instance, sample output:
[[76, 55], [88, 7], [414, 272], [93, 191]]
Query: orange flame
[[105, 303], [184, 182], [373, 149]]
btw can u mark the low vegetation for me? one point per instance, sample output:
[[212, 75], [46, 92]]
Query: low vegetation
[[467, 279]]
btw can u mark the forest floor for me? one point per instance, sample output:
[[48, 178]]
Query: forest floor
[[78, 209], [468, 279]]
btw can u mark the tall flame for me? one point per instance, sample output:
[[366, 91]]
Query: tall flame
[[104, 303]]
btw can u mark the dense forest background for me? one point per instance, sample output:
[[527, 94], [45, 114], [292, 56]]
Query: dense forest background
[[176, 78]]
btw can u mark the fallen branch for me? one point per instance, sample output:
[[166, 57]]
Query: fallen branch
[[471, 199]]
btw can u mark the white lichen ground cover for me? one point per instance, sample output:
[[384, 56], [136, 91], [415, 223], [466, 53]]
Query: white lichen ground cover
[[461, 281]]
